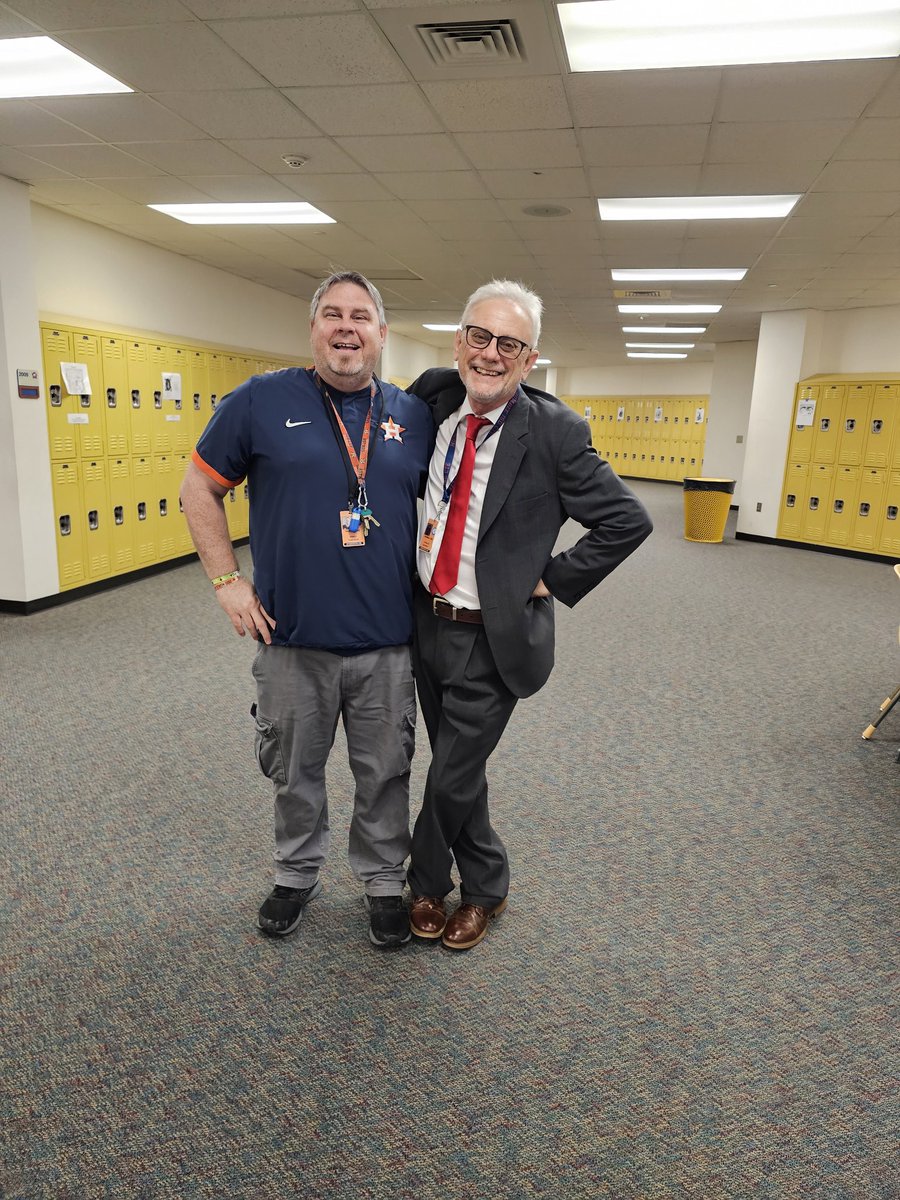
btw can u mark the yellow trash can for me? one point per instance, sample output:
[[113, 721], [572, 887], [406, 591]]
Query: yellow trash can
[[706, 505]]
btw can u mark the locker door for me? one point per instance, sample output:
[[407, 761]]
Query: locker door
[[57, 348], [160, 426], [97, 518], [882, 424], [869, 509], [90, 434], [793, 500], [140, 398], [800, 449], [889, 541], [145, 508], [217, 387], [179, 413], [815, 516], [200, 410], [854, 424], [67, 509], [843, 506], [123, 518], [183, 540], [827, 423], [115, 392], [165, 493]]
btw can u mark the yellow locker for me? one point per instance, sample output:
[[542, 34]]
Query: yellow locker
[[90, 432], [854, 421], [67, 509], [57, 348], [867, 517], [814, 521], [169, 520], [889, 542], [97, 518], [140, 398], [882, 425], [145, 511], [123, 518], [178, 411], [160, 426], [200, 410], [802, 437], [116, 398], [217, 385], [793, 499], [183, 541], [843, 505], [827, 423]]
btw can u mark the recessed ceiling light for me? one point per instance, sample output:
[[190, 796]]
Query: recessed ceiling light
[[636, 354], [660, 345], [679, 274], [282, 213], [669, 308], [39, 66], [634, 35], [676, 329], [442, 328], [694, 208], [543, 362]]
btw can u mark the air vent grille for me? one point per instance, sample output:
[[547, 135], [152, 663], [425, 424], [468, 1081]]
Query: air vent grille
[[463, 43]]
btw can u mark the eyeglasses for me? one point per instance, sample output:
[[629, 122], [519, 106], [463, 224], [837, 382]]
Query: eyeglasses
[[480, 339]]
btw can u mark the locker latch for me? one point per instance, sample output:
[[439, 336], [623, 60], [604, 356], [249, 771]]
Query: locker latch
[[93, 519]]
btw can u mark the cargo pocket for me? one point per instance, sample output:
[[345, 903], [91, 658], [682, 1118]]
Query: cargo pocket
[[268, 749]]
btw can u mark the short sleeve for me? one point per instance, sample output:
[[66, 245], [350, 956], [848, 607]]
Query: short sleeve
[[223, 451]]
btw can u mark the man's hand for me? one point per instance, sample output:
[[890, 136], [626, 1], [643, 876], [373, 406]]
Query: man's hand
[[240, 601], [540, 590]]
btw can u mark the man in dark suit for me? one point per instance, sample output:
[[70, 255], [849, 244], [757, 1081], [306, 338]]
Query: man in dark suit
[[511, 465]]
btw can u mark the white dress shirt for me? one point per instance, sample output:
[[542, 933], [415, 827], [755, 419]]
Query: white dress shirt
[[465, 593]]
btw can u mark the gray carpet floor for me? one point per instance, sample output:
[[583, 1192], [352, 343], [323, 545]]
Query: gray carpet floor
[[693, 993]]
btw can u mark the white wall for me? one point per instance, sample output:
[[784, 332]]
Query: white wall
[[405, 359], [861, 340], [729, 411], [652, 379]]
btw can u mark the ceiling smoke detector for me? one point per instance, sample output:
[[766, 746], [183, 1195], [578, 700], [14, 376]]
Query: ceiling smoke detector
[[294, 161], [546, 210]]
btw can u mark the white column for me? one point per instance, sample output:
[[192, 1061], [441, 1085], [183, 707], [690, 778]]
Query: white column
[[730, 393], [28, 564]]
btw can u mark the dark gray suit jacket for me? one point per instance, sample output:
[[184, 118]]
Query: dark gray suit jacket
[[545, 470]]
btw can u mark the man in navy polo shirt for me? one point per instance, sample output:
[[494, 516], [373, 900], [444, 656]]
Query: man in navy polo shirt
[[334, 459]]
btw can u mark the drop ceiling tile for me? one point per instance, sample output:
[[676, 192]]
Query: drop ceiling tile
[[876, 138], [511, 149], [323, 156], [817, 91], [181, 56], [580, 209], [70, 191], [95, 162], [419, 152], [260, 112], [683, 97], [457, 210], [26, 169], [12, 25], [431, 185], [214, 10], [122, 118], [237, 189], [871, 174], [24, 123], [643, 181], [635, 145], [472, 104], [323, 189], [158, 189], [755, 179], [842, 204], [206, 157], [56, 15], [558, 183], [386, 108], [775, 141], [314, 50], [475, 231]]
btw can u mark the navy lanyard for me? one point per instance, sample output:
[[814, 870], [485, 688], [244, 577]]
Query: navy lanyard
[[451, 448], [356, 483]]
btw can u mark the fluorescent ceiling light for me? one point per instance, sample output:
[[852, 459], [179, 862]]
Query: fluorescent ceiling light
[[39, 66], [660, 345], [543, 362], [669, 308], [678, 274], [634, 35], [679, 329], [634, 354], [442, 328], [694, 208], [282, 213]]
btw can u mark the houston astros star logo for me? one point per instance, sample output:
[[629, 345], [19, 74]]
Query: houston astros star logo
[[392, 430]]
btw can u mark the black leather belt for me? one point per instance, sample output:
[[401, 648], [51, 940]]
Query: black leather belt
[[443, 608]]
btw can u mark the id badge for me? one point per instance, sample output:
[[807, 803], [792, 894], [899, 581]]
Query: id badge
[[356, 537], [427, 539]]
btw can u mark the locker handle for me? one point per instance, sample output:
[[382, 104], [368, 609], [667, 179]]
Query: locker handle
[[892, 512], [93, 519], [142, 511], [196, 401], [119, 515], [163, 508], [813, 503], [850, 424], [791, 501], [55, 396], [65, 525], [825, 424], [85, 401], [877, 426], [135, 398], [838, 506], [864, 509], [111, 397], [157, 399]]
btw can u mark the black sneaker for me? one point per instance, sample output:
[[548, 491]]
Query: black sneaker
[[388, 921], [282, 909]]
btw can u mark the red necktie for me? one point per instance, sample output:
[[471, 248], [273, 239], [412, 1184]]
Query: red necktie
[[446, 569]]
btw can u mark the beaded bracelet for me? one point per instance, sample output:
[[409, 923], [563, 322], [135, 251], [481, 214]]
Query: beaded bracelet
[[223, 580]]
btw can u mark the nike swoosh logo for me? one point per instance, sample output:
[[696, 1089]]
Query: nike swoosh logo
[[294, 424]]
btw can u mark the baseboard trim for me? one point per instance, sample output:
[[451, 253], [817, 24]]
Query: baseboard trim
[[841, 551]]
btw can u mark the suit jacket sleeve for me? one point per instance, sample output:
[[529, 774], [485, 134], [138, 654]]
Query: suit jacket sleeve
[[592, 494]]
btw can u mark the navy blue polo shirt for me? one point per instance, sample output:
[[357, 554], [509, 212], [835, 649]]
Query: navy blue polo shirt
[[274, 430]]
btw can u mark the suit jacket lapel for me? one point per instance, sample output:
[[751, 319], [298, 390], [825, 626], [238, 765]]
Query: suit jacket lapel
[[508, 457]]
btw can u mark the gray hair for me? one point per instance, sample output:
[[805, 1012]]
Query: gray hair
[[517, 293], [347, 277]]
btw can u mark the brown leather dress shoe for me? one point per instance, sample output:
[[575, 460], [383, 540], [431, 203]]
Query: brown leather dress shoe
[[427, 916], [469, 924]]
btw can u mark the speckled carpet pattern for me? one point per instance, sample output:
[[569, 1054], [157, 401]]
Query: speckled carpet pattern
[[693, 993]]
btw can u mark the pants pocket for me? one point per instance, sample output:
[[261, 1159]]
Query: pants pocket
[[267, 747]]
